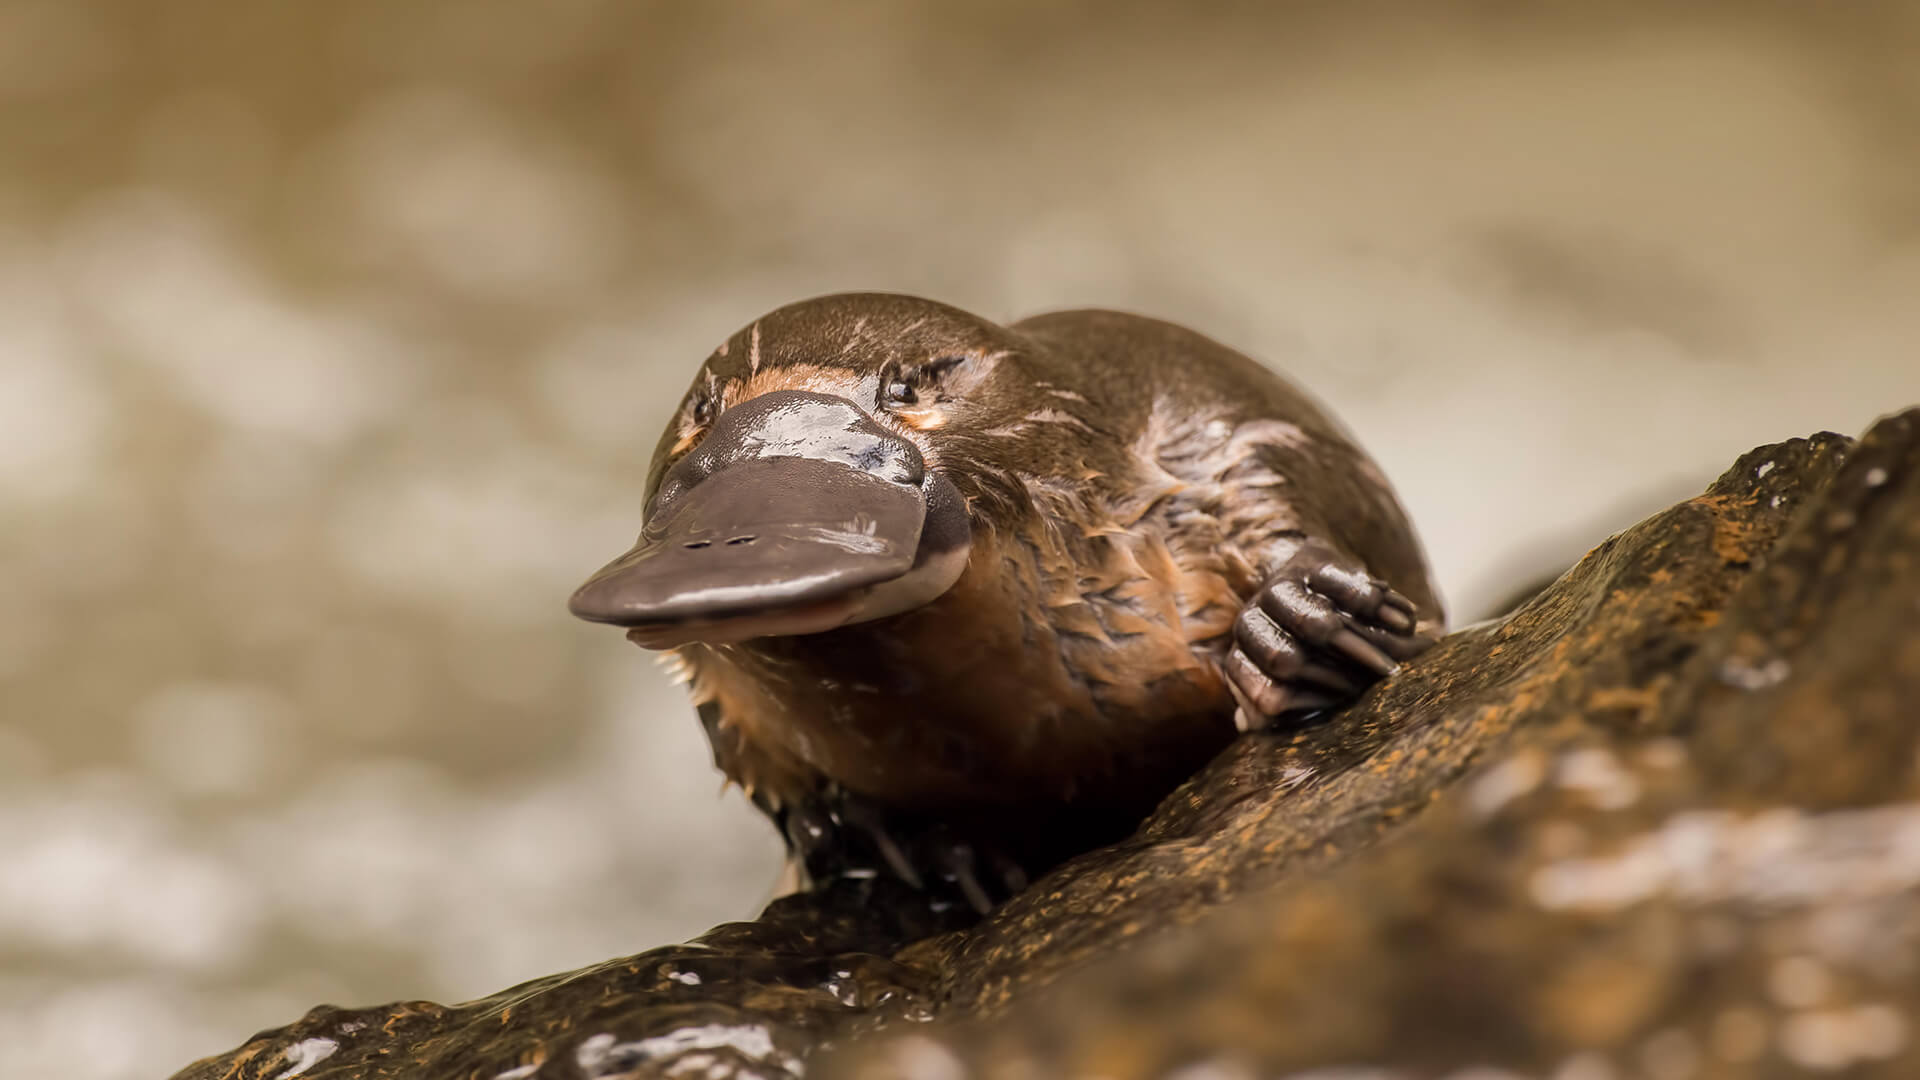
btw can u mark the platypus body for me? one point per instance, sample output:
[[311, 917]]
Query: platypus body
[[956, 600]]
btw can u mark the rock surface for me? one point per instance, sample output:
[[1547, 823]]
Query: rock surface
[[1663, 821]]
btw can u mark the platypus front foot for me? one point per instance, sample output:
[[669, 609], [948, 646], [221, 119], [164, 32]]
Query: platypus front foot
[[1317, 633], [838, 833]]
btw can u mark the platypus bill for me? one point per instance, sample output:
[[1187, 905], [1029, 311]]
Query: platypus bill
[[957, 600]]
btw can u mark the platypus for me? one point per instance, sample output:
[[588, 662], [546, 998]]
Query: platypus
[[956, 600]]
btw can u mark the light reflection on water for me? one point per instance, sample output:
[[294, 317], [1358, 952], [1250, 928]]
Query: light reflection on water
[[332, 347]]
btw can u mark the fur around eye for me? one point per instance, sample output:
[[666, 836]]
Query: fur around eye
[[904, 387]]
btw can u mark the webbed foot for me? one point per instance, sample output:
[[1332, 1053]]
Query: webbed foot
[[1316, 634], [838, 833]]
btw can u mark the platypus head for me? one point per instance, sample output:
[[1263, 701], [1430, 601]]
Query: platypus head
[[801, 487]]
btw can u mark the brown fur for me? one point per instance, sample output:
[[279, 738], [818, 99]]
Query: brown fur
[[1129, 483]]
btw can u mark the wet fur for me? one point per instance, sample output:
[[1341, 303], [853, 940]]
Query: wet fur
[[1129, 482]]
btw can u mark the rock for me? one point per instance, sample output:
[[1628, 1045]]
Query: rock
[[755, 997], [1659, 822]]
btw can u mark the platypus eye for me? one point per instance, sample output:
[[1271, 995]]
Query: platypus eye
[[903, 387], [703, 410]]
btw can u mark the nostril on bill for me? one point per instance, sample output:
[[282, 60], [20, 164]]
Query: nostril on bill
[[741, 540], [695, 545]]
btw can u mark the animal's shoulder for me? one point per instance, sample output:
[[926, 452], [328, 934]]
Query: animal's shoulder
[[1166, 369], [1122, 335]]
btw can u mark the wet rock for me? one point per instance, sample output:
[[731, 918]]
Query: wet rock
[[1662, 821], [750, 999]]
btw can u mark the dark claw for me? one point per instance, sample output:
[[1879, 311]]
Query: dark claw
[[867, 818], [1364, 653], [1315, 635], [1402, 646], [957, 863], [837, 834]]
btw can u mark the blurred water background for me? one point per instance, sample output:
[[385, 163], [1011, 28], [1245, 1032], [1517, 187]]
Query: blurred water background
[[334, 338]]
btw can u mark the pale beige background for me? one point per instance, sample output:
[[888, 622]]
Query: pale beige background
[[334, 336]]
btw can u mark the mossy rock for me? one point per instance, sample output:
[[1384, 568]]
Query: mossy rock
[[1661, 821]]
